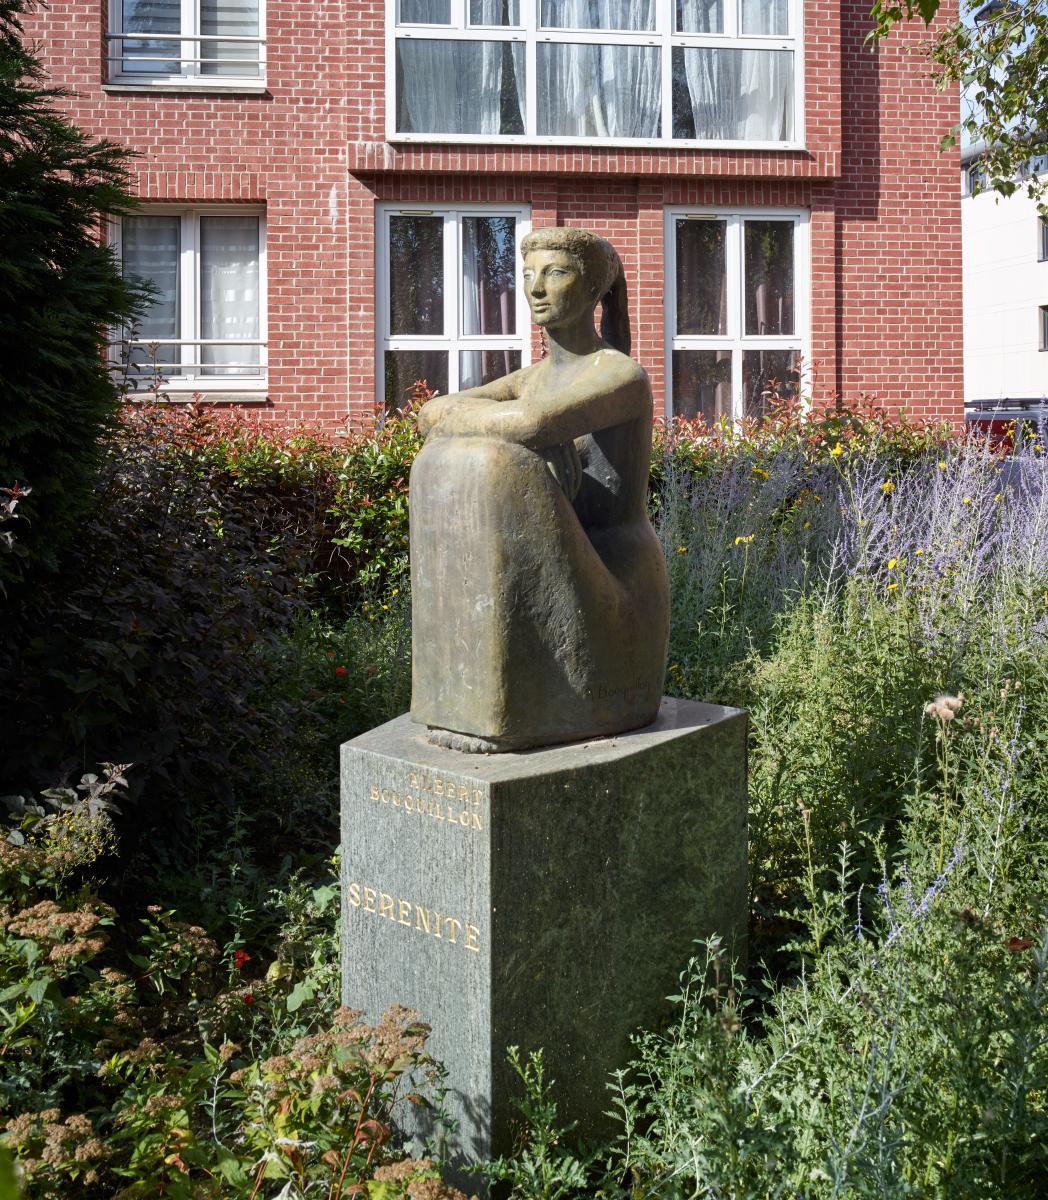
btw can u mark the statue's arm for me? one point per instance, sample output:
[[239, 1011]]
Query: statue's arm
[[548, 417], [434, 411]]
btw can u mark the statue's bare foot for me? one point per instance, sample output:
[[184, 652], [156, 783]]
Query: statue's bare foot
[[464, 742]]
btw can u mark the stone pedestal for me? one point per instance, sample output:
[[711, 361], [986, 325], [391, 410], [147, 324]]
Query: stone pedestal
[[540, 899]]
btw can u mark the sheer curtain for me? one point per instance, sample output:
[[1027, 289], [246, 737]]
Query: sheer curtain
[[460, 87], [764, 16], [229, 300], [701, 16], [426, 12], [494, 12], [738, 95], [599, 91], [598, 14], [150, 251], [488, 247], [235, 18], [151, 16]]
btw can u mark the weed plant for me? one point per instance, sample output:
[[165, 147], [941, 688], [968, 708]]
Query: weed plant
[[883, 618]]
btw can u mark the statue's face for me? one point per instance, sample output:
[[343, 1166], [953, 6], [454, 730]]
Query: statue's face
[[556, 289]]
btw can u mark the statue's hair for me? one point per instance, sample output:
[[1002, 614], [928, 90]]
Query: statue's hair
[[599, 264]]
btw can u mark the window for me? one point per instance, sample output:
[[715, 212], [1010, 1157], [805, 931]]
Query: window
[[636, 72], [1042, 239], [736, 310], [205, 329], [1042, 319], [450, 306], [196, 43]]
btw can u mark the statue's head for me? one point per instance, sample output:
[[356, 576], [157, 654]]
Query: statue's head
[[573, 269]]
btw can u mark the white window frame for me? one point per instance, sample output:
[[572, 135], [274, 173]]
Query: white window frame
[[189, 41], [188, 346], [663, 36], [734, 339], [451, 340]]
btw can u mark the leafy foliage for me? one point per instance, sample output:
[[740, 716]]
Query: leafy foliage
[[1000, 59], [60, 291]]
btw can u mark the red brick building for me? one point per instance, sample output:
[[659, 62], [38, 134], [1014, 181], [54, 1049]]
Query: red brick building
[[333, 190]]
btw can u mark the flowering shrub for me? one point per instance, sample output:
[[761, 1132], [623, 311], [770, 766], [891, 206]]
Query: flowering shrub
[[143, 1059]]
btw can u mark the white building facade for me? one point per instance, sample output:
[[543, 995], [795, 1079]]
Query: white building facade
[[1005, 273]]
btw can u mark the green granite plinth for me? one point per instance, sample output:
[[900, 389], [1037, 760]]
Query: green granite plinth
[[539, 899]]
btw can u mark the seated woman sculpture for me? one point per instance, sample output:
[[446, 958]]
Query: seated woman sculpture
[[540, 603]]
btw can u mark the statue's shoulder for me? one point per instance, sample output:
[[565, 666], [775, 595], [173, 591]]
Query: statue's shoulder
[[622, 368]]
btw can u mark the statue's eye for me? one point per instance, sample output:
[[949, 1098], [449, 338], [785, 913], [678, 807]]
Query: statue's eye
[[529, 276]]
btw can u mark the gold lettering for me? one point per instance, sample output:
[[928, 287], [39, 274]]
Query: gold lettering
[[439, 815], [476, 795], [406, 912], [414, 779], [464, 817], [476, 820], [374, 791], [438, 786], [408, 804], [386, 793], [451, 815]]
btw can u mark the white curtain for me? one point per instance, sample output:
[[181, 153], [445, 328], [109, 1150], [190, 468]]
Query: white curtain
[[701, 16], [598, 14], [487, 297], [149, 251], [740, 95], [426, 12], [150, 56], [494, 12], [764, 16], [599, 91], [229, 298], [234, 18], [460, 87]]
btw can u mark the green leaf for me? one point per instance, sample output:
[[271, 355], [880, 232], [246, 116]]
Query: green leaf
[[302, 992]]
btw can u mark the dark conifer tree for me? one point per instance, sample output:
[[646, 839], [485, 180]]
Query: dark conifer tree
[[61, 292]]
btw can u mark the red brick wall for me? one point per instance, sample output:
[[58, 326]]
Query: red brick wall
[[885, 226]]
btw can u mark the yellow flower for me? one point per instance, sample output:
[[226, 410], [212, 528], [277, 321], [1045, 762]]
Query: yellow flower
[[942, 465], [385, 608], [892, 563], [759, 471], [919, 551], [892, 587], [967, 500], [682, 549], [887, 487], [997, 498], [744, 541], [395, 592], [807, 524], [837, 451]]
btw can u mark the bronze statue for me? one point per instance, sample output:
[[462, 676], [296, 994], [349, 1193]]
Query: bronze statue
[[540, 604]]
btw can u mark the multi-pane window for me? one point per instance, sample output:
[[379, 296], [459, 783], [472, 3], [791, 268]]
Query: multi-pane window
[[1042, 239], [205, 327], [586, 71], [1042, 324], [736, 310], [450, 307], [195, 42]]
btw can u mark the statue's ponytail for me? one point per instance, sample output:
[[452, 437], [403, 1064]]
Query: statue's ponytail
[[615, 314]]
